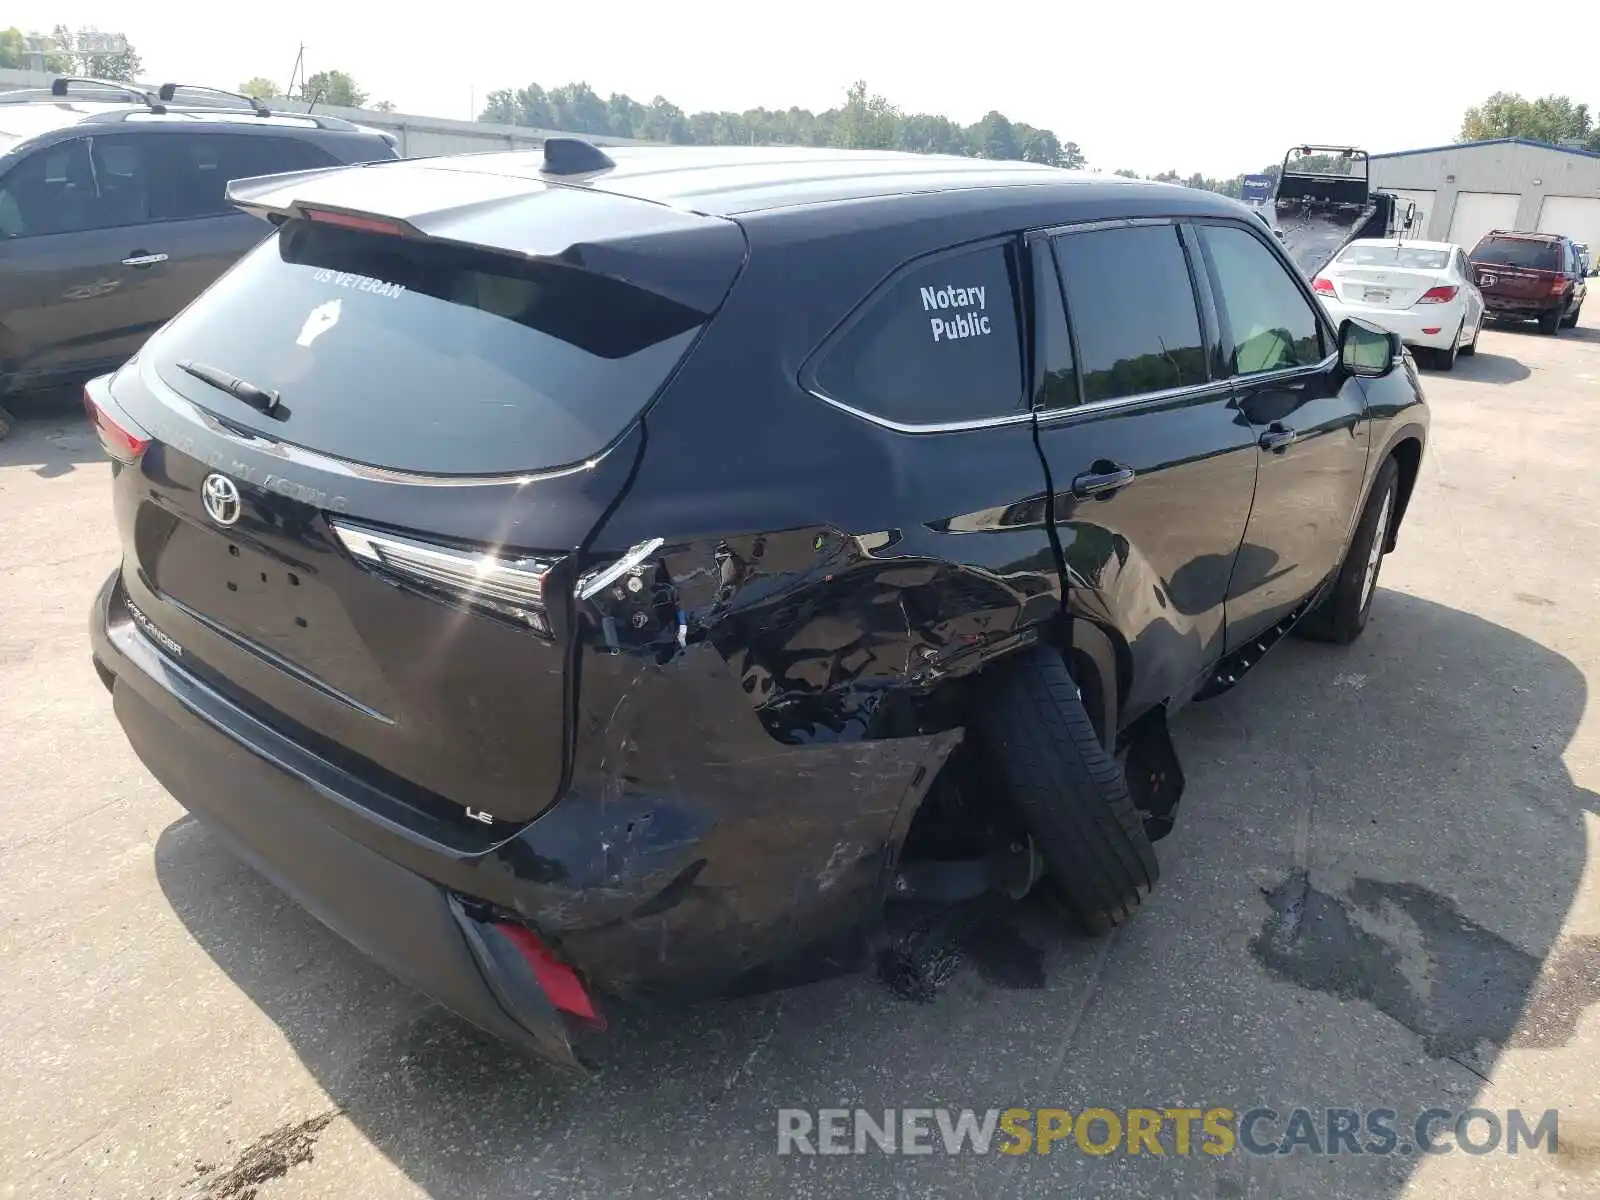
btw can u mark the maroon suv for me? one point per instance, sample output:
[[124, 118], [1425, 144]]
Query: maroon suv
[[1530, 277]]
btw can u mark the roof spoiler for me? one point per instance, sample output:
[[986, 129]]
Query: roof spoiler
[[275, 198]]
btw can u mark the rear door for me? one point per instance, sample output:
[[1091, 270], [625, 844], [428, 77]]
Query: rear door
[[78, 286], [200, 232], [1308, 419], [382, 565], [1152, 465]]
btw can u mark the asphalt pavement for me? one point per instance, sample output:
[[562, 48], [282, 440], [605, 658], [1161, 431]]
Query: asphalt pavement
[[1381, 893]]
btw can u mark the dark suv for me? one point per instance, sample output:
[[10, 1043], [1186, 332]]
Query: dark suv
[[578, 579], [114, 213], [1530, 277]]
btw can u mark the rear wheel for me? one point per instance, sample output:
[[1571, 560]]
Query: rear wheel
[[1065, 787], [1445, 359], [1572, 321], [1343, 614], [1550, 322]]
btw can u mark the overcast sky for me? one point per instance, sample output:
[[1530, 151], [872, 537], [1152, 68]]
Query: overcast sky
[[1220, 87]]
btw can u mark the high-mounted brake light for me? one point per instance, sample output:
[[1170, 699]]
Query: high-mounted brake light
[[1322, 287], [512, 587], [1442, 294], [353, 221], [120, 442]]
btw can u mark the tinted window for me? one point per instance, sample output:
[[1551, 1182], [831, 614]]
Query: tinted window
[[1057, 384], [1270, 322], [427, 357], [1518, 252], [199, 166], [938, 344], [1131, 303], [50, 191]]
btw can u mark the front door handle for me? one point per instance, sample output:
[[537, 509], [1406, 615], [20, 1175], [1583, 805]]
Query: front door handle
[[1106, 477], [141, 258], [1277, 438]]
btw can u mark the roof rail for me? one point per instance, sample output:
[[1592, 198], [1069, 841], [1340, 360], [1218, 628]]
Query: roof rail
[[202, 111], [60, 86], [63, 87], [169, 90]]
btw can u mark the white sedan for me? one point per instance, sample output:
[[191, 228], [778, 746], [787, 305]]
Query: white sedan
[[1421, 290]]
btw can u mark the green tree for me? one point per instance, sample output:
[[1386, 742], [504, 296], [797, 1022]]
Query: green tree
[[500, 107], [333, 87], [1550, 118], [863, 121], [663, 122], [994, 137], [14, 54], [866, 122], [260, 87], [124, 66]]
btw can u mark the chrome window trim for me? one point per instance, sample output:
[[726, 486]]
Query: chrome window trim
[[1194, 389], [930, 427], [1056, 414], [1053, 231], [1288, 372]]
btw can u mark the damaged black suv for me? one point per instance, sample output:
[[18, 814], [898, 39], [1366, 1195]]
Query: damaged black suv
[[581, 578]]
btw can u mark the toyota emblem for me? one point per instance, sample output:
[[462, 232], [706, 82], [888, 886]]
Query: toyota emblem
[[220, 495]]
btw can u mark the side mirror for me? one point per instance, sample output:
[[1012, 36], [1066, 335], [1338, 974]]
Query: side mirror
[[1366, 350], [1411, 213]]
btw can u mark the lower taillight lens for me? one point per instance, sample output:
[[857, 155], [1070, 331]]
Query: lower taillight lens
[[119, 436], [510, 586], [1442, 294], [1322, 287], [1558, 286]]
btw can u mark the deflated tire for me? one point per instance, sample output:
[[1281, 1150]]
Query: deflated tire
[[1066, 788]]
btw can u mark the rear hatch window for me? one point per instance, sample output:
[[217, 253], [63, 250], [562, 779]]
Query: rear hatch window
[[427, 356], [1401, 257], [1518, 252]]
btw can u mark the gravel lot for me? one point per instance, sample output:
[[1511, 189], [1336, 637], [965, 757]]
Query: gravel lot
[[1421, 808]]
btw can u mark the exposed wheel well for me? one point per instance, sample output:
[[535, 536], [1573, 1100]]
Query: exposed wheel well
[[1408, 454]]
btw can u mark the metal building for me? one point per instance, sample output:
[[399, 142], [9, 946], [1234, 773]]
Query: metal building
[[1464, 191]]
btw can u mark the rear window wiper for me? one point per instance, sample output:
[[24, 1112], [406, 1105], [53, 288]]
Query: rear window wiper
[[239, 389]]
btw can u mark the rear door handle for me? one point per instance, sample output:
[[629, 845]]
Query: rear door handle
[[1098, 483], [1277, 438], [140, 258]]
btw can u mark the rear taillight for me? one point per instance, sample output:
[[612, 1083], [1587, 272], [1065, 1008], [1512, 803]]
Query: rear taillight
[[1442, 294], [1322, 287], [1558, 285], [509, 586], [119, 436]]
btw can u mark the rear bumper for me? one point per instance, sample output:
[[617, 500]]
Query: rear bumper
[[1513, 306], [1410, 323], [692, 856], [417, 929]]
